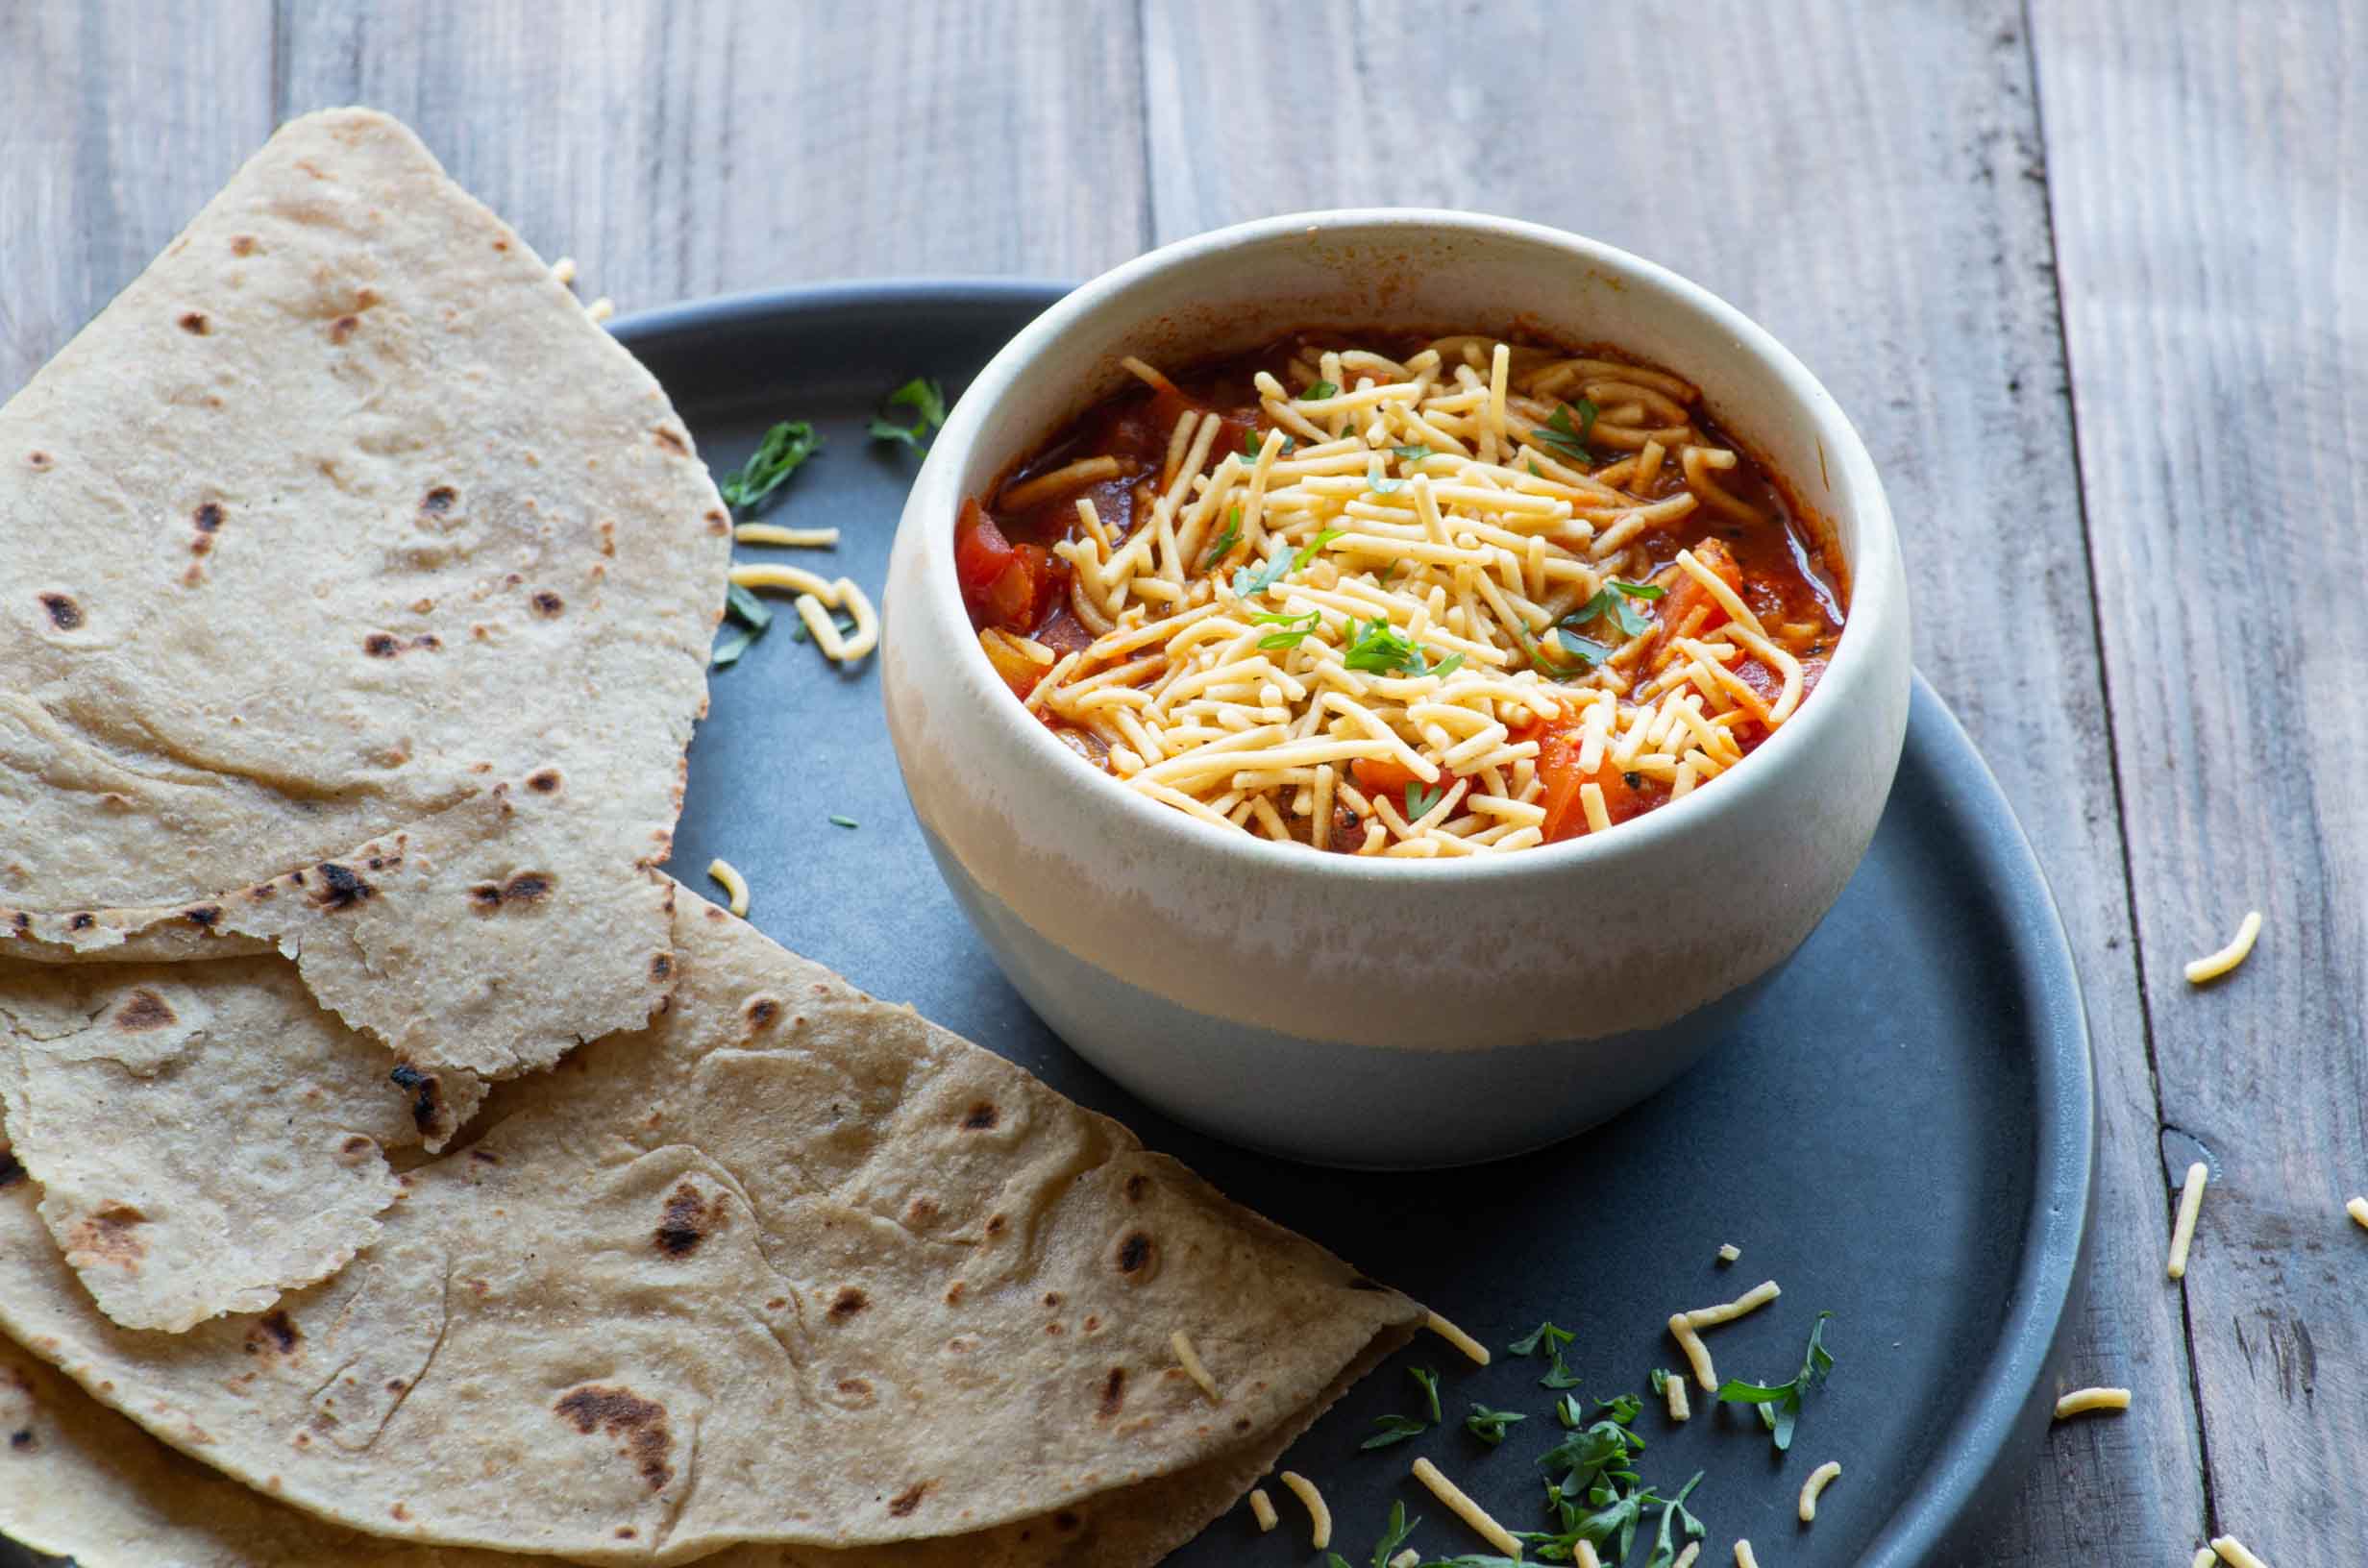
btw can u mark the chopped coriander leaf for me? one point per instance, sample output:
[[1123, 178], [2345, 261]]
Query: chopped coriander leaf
[[1660, 1379], [1394, 1534], [1381, 649], [1488, 1426], [1420, 801], [1624, 1409], [1449, 665], [1319, 392], [1639, 590], [1570, 1412], [1780, 1403], [1585, 649], [1251, 441], [1535, 472], [1546, 1334], [1566, 438], [1412, 454], [747, 607], [926, 398], [1394, 1428], [837, 821], [1386, 487], [1429, 1382], [1249, 582], [1224, 542], [1609, 601], [1290, 444], [729, 647], [747, 488], [1295, 628], [1558, 1375], [1308, 551]]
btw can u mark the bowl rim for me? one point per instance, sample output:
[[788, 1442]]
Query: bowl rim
[[1877, 582]]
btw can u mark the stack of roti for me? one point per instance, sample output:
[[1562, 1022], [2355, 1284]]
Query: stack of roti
[[385, 1132]]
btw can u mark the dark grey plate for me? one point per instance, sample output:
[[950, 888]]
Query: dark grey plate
[[1902, 1131]]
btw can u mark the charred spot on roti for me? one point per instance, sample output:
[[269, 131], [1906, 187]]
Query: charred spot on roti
[[438, 499], [194, 323], [661, 965], [1114, 1392], [1067, 1519], [523, 887], [763, 1011], [547, 603], [1136, 1257], [380, 646], [672, 440], [717, 522], [626, 1533], [981, 1117], [275, 1331], [426, 1094], [207, 518], [109, 1235], [38, 461], [22, 1441], [1052, 1298], [354, 1147], [545, 781], [848, 1303], [12, 1169], [909, 1499], [144, 1011], [485, 1156], [953, 1293], [998, 1224], [202, 915], [637, 1424], [242, 245], [1136, 1186], [399, 1512], [63, 613], [686, 1221], [342, 327], [80, 922], [920, 1210], [22, 920], [340, 888]]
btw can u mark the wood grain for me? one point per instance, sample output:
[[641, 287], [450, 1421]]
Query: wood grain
[[2210, 210], [687, 150], [1895, 236], [114, 129]]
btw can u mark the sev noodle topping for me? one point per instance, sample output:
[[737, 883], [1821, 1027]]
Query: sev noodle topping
[[1450, 599]]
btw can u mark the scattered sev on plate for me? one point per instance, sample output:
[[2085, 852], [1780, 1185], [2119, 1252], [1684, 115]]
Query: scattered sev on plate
[[1318, 1512], [1472, 1348], [1673, 1390], [816, 599], [2236, 1553], [1685, 1558], [2080, 1401], [1744, 1557], [2212, 966], [1193, 1367], [2358, 1209], [1407, 1558], [1262, 1510], [1414, 611], [1465, 1510], [1820, 1479], [1729, 1252], [774, 533], [735, 886], [1584, 1556], [1686, 1328], [2205, 1558], [2182, 1228]]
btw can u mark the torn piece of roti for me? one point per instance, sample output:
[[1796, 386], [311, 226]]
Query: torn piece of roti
[[792, 1268], [339, 526], [204, 1135]]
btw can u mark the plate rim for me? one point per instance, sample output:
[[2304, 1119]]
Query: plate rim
[[1994, 1446]]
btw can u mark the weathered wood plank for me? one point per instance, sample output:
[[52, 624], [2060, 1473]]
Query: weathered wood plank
[[685, 150], [2210, 206], [117, 126], [1865, 182]]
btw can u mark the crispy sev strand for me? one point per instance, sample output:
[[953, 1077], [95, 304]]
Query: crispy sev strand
[[1465, 1510], [2213, 966], [1408, 1559], [1060, 482], [564, 272], [1674, 1388], [2236, 1553], [782, 576], [1685, 1558], [2358, 1209], [772, 533], [735, 886], [1729, 1252], [1583, 1556], [1686, 1328], [2205, 1558], [1743, 1555], [1320, 1515], [601, 309], [859, 603], [821, 628], [1820, 1479], [1464, 1343], [1697, 1354], [2080, 1401], [1262, 1510], [2182, 1228], [1195, 1368]]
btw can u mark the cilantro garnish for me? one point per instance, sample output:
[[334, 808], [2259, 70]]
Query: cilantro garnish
[[1412, 454], [1561, 436], [1546, 1334], [1394, 1428], [1558, 1375], [1420, 802], [837, 821], [1612, 599], [1249, 582], [928, 402], [1780, 1404], [1381, 649], [1625, 1409], [1490, 1425], [1639, 590], [1319, 392], [1224, 542], [747, 607], [729, 647], [1385, 487], [1295, 628], [1660, 1379], [748, 488], [1429, 1382], [1392, 1537]]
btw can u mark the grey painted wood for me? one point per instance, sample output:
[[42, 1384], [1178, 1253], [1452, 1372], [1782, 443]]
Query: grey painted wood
[[114, 128], [679, 150], [2210, 206], [1865, 182]]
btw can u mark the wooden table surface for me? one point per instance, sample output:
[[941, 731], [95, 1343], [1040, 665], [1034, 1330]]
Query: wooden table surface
[[2090, 275]]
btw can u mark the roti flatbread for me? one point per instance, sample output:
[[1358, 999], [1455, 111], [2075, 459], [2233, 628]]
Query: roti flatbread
[[790, 1266], [358, 604]]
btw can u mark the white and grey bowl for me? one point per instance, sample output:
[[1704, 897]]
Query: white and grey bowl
[[1369, 1012]]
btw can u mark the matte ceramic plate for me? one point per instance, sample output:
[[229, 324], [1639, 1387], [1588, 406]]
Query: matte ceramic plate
[[1900, 1133]]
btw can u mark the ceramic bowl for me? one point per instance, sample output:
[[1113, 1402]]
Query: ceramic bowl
[[1358, 1011]]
